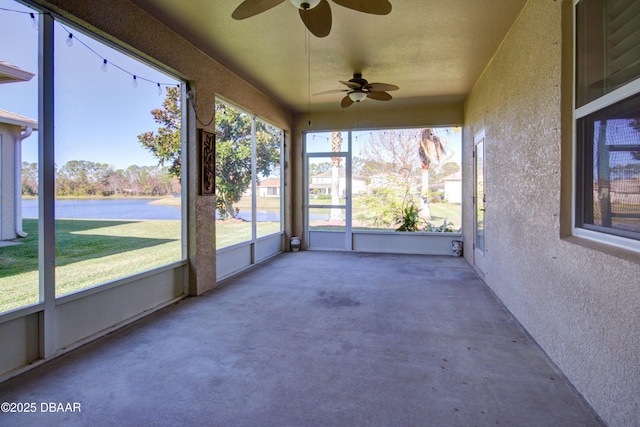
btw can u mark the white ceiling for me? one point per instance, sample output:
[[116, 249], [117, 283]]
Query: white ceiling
[[434, 50]]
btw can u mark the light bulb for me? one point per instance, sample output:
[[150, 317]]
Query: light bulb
[[357, 95], [104, 65], [34, 21], [159, 89], [135, 81], [305, 4], [70, 40]]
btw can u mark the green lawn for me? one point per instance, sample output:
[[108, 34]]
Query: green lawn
[[439, 212], [91, 252], [450, 211], [88, 253], [230, 232]]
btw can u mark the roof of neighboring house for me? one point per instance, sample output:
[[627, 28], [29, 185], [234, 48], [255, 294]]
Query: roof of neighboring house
[[454, 177], [270, 182], [341, 174], [17, 120], [10, 73]]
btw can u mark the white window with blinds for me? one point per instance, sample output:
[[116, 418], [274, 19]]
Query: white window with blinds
[[607, 115]]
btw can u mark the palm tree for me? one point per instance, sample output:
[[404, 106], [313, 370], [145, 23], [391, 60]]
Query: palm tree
[[430, 149], [336, 147]]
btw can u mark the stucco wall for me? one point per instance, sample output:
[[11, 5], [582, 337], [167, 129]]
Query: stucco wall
[[580, 301]]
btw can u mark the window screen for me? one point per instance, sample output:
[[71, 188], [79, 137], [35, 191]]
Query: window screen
[[609, 157], [608, 130]]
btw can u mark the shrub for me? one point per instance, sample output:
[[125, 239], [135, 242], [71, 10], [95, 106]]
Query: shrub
[[410, 218]]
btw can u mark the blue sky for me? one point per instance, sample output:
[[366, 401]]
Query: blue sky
[[98, 114]]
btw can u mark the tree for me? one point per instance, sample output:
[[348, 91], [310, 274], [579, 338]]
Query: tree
[[166, 144], [81, 178], [448, 169], [336, 147], [29, 179], [635, 124], [431, 150], [318, 168], [390, 158], [392, 153], [114, 182], [233, 155]]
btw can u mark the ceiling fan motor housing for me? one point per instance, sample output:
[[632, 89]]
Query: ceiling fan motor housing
[[357, 78]]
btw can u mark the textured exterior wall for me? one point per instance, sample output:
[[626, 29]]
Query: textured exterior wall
[[580, 301]]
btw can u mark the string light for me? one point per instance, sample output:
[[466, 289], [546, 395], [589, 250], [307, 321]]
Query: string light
[[104, 66], [34, 21]]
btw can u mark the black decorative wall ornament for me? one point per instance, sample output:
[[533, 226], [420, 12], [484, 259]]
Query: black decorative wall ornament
[[207, 162]]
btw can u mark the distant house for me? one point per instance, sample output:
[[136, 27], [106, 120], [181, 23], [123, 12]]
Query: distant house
[[269, 188], [14, 128], [392, 180], [453, 188], [321, 183]]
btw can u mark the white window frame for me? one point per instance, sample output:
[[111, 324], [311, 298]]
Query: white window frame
[[630, 89], [237, 257]]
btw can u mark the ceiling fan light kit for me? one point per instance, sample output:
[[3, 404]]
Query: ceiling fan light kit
[[360, 89], [305, 4], [357, 95]]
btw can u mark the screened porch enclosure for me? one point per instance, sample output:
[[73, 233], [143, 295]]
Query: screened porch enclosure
[[361, 185], [248, 197]]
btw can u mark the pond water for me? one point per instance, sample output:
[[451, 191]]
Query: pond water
[[105, 209], [141, 209]]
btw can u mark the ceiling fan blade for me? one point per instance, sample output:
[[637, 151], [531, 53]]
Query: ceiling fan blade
[[346, 102], [375, 7], [379, 96], [249, 8], [381, 87], [352, 85], [331, 91], [318, 19]]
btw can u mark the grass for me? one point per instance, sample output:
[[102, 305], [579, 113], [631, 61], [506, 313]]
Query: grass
[[268, 203], [88, 253], [439, 212], [92, 252], [450, 211], [232, 231]]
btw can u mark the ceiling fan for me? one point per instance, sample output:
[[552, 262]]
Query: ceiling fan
[[316, 14], [360, 89]]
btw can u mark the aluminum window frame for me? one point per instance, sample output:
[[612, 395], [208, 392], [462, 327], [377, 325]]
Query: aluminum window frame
[[607, 235]]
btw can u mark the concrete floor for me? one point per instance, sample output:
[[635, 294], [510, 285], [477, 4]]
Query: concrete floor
[[314, 339]]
